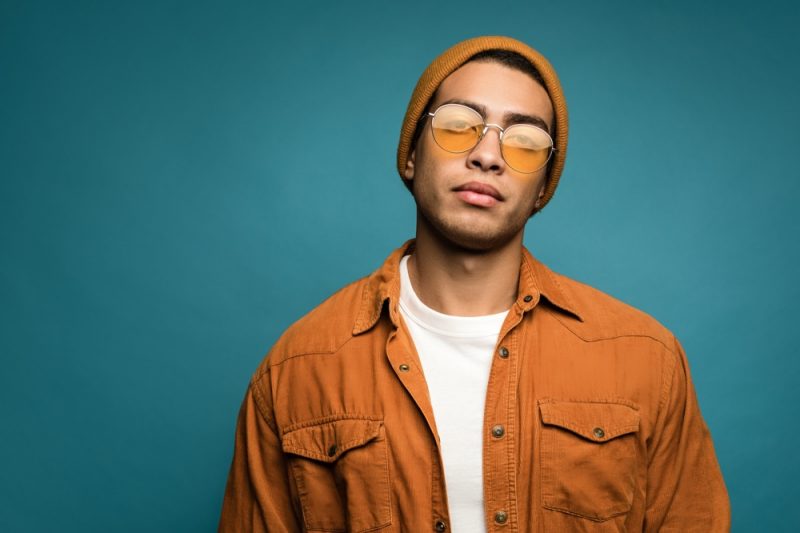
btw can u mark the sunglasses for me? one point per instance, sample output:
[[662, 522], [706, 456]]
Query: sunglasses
[[457, 128]]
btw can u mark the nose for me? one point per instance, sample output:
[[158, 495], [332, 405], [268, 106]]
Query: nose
[[486, 155]]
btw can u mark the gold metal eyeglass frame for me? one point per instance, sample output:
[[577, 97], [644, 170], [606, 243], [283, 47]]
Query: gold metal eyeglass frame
[[486, 126]]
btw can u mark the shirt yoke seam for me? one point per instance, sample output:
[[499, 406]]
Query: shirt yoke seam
[[618, 336], [304, 353]]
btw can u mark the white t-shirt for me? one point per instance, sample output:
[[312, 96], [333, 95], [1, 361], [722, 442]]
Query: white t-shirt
[[456, 355]]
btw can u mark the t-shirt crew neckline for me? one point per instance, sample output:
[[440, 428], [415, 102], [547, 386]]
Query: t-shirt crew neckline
[[440, 323]]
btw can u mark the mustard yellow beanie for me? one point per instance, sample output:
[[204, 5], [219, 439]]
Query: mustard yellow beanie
[[456, 56]]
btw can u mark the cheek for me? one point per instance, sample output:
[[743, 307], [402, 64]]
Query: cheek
[[531, 186], [436, 162]]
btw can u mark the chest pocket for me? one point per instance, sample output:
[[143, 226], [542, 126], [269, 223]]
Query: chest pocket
[[341, 471], [589, 457]]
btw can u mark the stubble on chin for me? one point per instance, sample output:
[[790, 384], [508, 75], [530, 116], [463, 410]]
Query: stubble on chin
[[469, 236]]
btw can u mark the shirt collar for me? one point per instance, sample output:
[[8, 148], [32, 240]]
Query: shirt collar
[[535, 281]]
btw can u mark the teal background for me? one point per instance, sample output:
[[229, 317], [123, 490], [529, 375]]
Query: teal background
[[166, 211]]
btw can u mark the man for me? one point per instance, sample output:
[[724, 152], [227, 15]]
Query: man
[[464, 386]]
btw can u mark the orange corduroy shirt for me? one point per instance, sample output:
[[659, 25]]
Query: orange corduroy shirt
[[591, 422]]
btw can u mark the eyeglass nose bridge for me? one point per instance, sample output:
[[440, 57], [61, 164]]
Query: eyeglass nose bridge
[[486, 126]]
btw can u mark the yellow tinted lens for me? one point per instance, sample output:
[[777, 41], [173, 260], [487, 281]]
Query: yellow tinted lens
[[456, 128], [526, 148]]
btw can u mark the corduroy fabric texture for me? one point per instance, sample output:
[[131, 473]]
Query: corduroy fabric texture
[[456, 56]]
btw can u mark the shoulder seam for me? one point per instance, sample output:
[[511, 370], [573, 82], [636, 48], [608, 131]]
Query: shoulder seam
[[261, 404]]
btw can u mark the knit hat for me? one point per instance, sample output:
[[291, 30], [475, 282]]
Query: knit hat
[[455, 57]]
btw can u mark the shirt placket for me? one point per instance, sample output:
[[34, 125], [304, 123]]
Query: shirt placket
[[402, 355], [500, 414]]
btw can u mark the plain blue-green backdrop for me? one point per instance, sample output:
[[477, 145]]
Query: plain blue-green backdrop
[[180, 181]]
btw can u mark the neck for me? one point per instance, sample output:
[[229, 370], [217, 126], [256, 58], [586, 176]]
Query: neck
[[461, 282]]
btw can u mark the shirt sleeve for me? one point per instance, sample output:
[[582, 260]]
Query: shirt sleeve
[[685, 489], [257, 497]]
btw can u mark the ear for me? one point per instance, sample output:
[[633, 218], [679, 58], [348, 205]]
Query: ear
[[538, 203], [408, 173]]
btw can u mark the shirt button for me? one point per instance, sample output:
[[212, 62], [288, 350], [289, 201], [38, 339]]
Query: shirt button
[[332, 451], [503, 352], [498, 431], [528, 298], [404, 368], [599, 433], [440, 526], [501, 517]]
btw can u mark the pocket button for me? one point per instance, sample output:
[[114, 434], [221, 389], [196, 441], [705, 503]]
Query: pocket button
[[599, 433]]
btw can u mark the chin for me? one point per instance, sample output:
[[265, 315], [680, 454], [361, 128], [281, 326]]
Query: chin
[[473, 237]]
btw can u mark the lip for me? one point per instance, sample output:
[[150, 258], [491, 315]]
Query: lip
[[479, 194]]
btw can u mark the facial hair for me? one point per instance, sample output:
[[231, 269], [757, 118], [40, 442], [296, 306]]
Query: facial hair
[[472, 238]]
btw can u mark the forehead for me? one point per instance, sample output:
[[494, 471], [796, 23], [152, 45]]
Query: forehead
[[500, 89]]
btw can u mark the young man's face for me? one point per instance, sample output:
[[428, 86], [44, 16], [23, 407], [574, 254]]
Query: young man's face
[[447, 186]]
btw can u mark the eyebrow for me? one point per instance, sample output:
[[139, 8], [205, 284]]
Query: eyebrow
[[508, 118]]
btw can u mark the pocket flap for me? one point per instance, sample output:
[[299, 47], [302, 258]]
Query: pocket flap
[[327, 440], [595, 421]]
